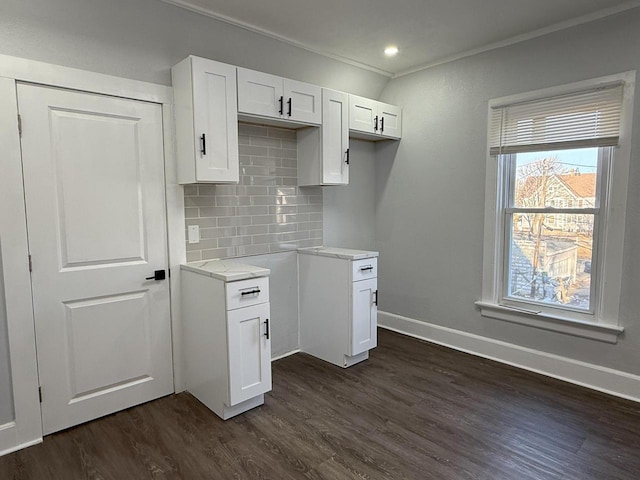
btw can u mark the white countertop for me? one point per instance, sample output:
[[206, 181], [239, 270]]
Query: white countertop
[[226, 270], [336, 252]]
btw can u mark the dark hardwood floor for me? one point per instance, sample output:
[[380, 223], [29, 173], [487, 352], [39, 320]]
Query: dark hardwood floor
[[414, 410]]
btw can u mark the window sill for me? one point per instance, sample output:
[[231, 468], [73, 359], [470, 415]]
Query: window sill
[[595, 331]]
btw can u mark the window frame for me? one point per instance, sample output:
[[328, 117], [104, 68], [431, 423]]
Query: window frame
[[507, 162], [603, 323]]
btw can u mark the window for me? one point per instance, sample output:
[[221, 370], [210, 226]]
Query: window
[[546, 253], [559, 161]]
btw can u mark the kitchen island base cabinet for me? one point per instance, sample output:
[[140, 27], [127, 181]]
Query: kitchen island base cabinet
[[338, 306], [227, 345]]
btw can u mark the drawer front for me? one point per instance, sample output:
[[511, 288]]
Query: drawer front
[[364, 269], [245, 293]]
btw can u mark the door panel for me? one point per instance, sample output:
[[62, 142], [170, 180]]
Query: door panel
[[88, 323], [305, 101], [390, 120], [335, 137], [362, 113], [259, 93], [249, 353], [215, 115], [107, 148], [364, 334], [94, 190]]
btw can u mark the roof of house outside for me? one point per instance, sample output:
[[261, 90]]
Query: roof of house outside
[[581, 184]]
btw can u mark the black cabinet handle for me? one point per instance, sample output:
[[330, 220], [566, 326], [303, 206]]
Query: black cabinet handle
[[375, 120], [375, 302], [347, 160], [381, 124], [266, 333], [158, 275], [289, 104], [203, 139], [281, 105], [251, 292], [364, 269]]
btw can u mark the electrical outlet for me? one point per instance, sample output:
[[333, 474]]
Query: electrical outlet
[[194, 233]]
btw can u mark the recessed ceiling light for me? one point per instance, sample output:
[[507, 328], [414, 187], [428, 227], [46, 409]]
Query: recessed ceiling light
[[390, 51]]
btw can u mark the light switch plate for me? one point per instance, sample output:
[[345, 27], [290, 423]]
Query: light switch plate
[[194, 233]]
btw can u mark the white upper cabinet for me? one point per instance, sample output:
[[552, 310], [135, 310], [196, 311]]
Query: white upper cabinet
[[362, 112], [260, 93], [206, 116], [302, 102], [273, 97], [373, 120], [390, 120], [323, 153]]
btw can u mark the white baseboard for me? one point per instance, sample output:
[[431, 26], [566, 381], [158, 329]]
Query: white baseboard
[[292, 352], [602, 379], [8, 437]]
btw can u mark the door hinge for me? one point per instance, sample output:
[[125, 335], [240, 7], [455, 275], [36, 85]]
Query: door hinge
[[30, 264], [19, 125], [40, 394]]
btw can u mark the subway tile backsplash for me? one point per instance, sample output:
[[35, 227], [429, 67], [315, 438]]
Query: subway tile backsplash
[[266, 212]]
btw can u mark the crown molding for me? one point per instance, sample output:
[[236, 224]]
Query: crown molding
[[591, 17], [261, 31], [185, 4]]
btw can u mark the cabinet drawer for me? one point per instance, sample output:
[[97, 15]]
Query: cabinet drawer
[[363, 269], [245, 293]]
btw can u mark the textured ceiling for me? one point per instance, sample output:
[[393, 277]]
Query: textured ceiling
[[426, 31]]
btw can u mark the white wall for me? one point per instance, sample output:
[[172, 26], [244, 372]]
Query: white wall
[[142, 39], [430, 194], [6, 394], [283, 295], [349, 210]]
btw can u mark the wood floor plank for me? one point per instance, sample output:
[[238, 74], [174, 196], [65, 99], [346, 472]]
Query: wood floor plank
[[412, 411]]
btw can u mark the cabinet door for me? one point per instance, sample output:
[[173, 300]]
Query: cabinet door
[[215, 121], [364, 322], [335, 137], [259, 93], [302, 102], [390, 120], [249, 352], [362, 114]]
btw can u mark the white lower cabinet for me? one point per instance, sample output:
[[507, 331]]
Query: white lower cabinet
[[226, 341], [364, 313], [338, 304], [249, 352]]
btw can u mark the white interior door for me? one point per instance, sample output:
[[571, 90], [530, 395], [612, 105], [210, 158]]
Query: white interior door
[[94, 189]]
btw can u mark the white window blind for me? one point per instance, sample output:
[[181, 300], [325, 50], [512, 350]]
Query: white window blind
[[589, 118]]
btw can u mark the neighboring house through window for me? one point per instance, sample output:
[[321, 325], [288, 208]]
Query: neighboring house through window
[[558, 164]]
